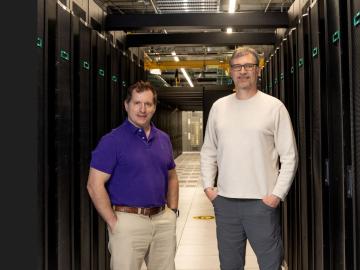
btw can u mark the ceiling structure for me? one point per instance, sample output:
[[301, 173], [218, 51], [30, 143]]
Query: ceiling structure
[[195, 30]]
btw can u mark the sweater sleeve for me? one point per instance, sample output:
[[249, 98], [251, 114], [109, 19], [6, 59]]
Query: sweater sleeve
[[285, 145], [208, 153]]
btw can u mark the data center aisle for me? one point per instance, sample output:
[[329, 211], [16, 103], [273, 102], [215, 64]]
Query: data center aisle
[[196, 237]]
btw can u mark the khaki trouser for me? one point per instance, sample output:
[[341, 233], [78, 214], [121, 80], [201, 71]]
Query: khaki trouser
[[137, 238]]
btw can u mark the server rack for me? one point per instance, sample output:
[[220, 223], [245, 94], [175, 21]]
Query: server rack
[[337, 135], [270, 75], [275, 70], [42, 128], [62, 174], [114, 98], [354, 61], [99, 116], [124, 77], [264, 78], [303, 139], [318, 138], [281, 71], [82, 142]]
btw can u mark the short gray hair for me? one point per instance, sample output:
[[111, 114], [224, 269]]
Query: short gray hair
[[241, 51]]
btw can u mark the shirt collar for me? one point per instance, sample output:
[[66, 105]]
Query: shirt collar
[[135, 129]]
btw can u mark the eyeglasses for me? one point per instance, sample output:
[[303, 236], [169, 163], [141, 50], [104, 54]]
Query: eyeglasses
[[247, 67]]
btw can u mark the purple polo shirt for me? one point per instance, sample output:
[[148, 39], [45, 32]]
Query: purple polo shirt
[[138, 166]]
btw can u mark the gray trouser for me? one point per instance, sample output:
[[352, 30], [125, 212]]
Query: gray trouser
[[240, 219]]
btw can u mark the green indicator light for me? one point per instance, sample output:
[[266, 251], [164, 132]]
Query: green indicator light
[[356, 19], [336, 36], [315, 51], [64, 55], [301, 62], [85, 65], [101, 72], [39, 42], [114, 78], [282, 76], [292, 70]]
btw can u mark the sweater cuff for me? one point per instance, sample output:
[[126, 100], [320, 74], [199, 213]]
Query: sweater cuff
[[281, 196]]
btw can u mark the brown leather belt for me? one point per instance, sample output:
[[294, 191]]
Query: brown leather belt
[[138, 210]]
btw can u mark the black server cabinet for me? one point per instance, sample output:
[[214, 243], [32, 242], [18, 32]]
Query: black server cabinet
[[82, 142], [132, 68], [290, 78], [338, 136], [61, 187], [136, 68], [270, 75], [42, 131], [142, 71], [281, 71], [115, 97], [107, 107], [286, 206], [293, 200], [264, 78], [318, 127], [354, 56], [99, 84], [303, 134], [46, 122], [124, 71], [98, 42], [275, 70]]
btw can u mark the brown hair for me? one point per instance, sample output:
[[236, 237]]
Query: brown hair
[[241, 51], [140, 87]]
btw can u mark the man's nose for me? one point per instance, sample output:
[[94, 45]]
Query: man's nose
[[142, 107], [242, 69]]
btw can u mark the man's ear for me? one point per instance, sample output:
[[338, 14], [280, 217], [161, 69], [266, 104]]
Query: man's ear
[[126, 105]]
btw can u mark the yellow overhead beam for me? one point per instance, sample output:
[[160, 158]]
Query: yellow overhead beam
[[165, 65]]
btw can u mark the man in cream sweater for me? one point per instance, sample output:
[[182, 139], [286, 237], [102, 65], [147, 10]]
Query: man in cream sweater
[[248, 134]]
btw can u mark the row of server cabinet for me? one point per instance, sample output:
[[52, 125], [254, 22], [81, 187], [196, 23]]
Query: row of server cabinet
[[82, 83], [315, 71]]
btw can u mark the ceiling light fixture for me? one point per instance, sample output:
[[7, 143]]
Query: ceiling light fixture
[[176, 59], [187, 77], [155, 71], [232, 6]]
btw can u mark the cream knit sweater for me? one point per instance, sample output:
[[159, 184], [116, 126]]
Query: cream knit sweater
[[243, 141]]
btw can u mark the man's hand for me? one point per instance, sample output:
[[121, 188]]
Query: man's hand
[[112, 223], [211, 193], [271, 200]]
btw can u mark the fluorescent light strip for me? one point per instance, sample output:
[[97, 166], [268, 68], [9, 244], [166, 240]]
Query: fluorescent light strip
[[229, 30], [187, 77], [176, 59], [232, 6]]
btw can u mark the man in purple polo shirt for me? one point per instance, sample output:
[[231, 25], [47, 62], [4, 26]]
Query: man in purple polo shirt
[[134, 187]]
